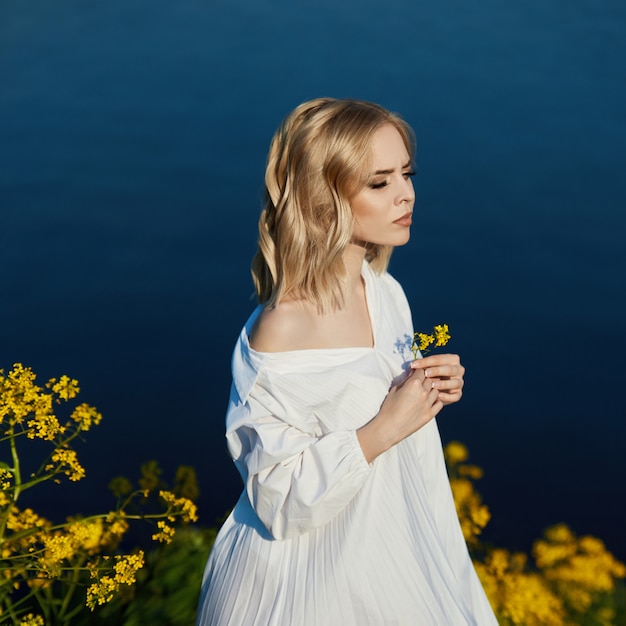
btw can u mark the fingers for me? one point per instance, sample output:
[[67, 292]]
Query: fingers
[[440, 366], [425, 387], [436, 359], [443, 373], [447, 384], [413, 377], [449, 391], [437, 407], [419, 387], [451, 383]]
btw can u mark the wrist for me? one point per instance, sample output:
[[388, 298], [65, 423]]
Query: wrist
[[372, 440]]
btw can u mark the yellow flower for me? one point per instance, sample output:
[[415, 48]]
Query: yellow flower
[[32, 620], [183, 506], [86, 416], [6, 476], [127, 566], [44, 426], [442, 335], [574, 576], [165, 534], [25, 542], [87, 534], [580, 568], [124, 569], [66, 388], [455, 453], [473, 514], [67, 462], [39, 557], [18, 394], [116, 526], [422, 341], [58, 547], [25, 520], [471, 471], [101, 591], [40, 582], [521, 598]]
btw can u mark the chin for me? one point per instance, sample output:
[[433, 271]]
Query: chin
[[393, 239], [399, 240]]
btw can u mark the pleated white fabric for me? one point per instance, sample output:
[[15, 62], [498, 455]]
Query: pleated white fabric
[[319, 537]]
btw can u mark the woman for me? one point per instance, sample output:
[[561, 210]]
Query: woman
[[346, 518]]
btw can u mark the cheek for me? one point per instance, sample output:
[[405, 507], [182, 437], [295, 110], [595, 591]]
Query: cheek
[[362, 219], [367, 222], [364, 210]]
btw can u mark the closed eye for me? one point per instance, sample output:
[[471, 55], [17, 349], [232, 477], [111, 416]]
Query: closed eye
[[384, 183], [408, 174]]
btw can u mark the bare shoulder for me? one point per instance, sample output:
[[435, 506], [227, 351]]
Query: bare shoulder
[[285, 327]]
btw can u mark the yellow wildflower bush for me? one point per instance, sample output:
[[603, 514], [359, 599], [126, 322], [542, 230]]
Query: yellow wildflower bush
[[571, 582], [50, 572], [518, 596], [473, 514], [580, 569]]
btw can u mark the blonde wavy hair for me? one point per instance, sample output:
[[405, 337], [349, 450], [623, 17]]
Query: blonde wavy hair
[[319, 159]]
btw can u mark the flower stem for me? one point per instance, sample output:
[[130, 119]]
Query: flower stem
[[16, 471]]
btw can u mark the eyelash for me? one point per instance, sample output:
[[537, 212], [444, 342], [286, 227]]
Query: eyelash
[[385, 183]]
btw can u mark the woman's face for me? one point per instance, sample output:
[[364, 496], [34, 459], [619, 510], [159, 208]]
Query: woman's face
[[383, 208]]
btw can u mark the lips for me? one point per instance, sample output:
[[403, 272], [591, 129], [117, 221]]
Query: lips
[[405, 220]]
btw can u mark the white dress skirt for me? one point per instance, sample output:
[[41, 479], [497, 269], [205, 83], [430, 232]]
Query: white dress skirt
[[320, 537]]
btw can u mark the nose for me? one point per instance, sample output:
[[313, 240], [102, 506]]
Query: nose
[[406, 193]]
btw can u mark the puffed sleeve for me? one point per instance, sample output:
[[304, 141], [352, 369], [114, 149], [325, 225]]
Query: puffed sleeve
[[296, 477]]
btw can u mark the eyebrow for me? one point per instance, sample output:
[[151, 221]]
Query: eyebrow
[[379, 172]]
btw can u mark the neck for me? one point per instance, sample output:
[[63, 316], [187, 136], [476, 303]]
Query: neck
[[353, 260]]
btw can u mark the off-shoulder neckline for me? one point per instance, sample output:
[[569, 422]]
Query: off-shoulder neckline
[[366, 271]]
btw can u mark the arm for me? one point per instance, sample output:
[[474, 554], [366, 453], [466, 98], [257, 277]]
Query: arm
[[296, 480]]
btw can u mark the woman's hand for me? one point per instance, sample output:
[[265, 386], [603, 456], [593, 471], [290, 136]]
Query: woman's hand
[[445, 373], [408, 406], [433, 382]]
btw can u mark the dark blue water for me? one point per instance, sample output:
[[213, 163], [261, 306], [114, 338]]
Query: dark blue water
[[132, 143]]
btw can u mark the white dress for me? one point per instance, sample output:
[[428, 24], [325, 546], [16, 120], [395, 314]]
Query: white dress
[[319, 537]]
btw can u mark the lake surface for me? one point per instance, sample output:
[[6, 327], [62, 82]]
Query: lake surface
[[133, 137]]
